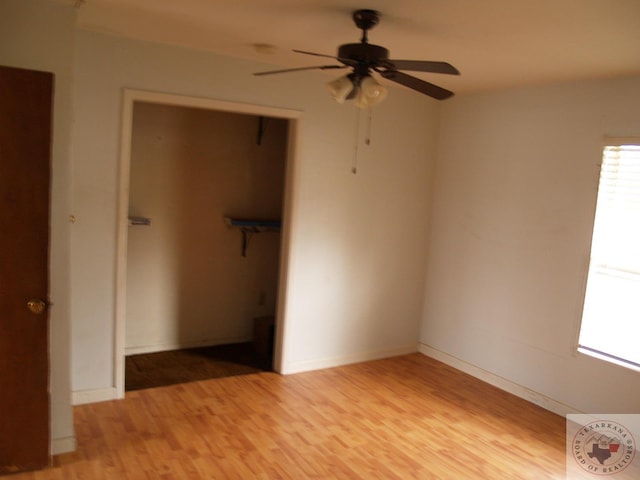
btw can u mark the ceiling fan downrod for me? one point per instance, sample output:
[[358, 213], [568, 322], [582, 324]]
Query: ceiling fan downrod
[[366, 20]]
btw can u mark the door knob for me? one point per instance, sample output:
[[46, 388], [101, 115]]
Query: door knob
[[36, 306]]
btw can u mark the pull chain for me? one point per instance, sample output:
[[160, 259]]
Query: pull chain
[[367, 139], [354, 160]]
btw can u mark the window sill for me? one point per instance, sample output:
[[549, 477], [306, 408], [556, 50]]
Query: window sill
[[609, 359]]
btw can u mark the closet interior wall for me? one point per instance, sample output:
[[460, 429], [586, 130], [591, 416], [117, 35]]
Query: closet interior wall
[[188, 283]]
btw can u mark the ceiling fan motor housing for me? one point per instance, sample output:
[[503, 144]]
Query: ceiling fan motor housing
[[363, 53]]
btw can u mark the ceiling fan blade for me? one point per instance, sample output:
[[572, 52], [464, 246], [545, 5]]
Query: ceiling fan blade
[[314, 54], [346, 61], [417, 84], [421, 66], [286, 70]]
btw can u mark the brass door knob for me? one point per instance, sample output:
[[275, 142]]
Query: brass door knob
[[36, 306]]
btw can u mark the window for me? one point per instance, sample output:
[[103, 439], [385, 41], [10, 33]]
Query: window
[[610, 326]]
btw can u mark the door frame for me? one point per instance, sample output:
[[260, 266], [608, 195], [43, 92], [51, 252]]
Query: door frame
[[294, 117]]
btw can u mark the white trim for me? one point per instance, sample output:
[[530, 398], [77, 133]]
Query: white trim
[[281, 342], [502, 383], [129, 97], [82, 397], [310, 365], [63, 445], [209, 104], [121, 243], [165, 347]]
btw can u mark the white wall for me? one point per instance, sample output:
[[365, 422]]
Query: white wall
[[187, 281], [39, 35], [356, 260], [517, 176]]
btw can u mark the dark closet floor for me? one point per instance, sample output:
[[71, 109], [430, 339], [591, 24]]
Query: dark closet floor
[[179, 366]]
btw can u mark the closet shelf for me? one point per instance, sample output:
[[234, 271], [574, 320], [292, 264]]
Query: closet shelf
[[249, 227], [258, 225], [137, 221]]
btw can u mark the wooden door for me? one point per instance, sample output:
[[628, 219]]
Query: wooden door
[[25, 144]]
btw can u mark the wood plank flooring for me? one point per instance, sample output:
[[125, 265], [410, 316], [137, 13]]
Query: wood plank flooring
[[399, 418]]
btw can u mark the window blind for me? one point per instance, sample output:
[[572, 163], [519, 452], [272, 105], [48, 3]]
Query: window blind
[[611, 315], [616, 233]]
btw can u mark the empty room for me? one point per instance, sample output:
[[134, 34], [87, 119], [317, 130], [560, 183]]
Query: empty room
[[440, 216]]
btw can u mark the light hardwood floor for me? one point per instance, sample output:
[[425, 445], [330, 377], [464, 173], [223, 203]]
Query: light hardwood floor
[[398, 418]]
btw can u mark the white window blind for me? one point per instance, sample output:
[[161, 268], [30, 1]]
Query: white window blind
[[610, 326]]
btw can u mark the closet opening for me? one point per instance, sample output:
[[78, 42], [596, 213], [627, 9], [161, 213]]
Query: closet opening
[[202, 271]]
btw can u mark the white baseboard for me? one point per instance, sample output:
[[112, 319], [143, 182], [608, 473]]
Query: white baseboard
[[309, 365], [502, 383], [105, 394], [93, 396], [63, 445], [165, 347]]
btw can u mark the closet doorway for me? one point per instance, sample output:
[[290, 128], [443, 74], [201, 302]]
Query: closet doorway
[[204, 238]]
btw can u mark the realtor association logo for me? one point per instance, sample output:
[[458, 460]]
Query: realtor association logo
[[603, 447]]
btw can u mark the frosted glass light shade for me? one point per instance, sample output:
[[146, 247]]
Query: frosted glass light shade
[[340, 88], [371, 93]]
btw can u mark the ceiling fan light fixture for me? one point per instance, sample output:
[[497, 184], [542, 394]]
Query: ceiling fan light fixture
[[364, 58], [341, 88], [370, 93]]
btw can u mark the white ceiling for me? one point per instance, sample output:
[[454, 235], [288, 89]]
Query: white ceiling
[[494, 43]]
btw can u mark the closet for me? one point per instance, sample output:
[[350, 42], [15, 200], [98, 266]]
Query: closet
[[195, 276]]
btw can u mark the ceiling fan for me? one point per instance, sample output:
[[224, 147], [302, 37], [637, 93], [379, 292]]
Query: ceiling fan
[[365, 58]]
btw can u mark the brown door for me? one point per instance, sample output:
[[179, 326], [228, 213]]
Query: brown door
[[25, 144]]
